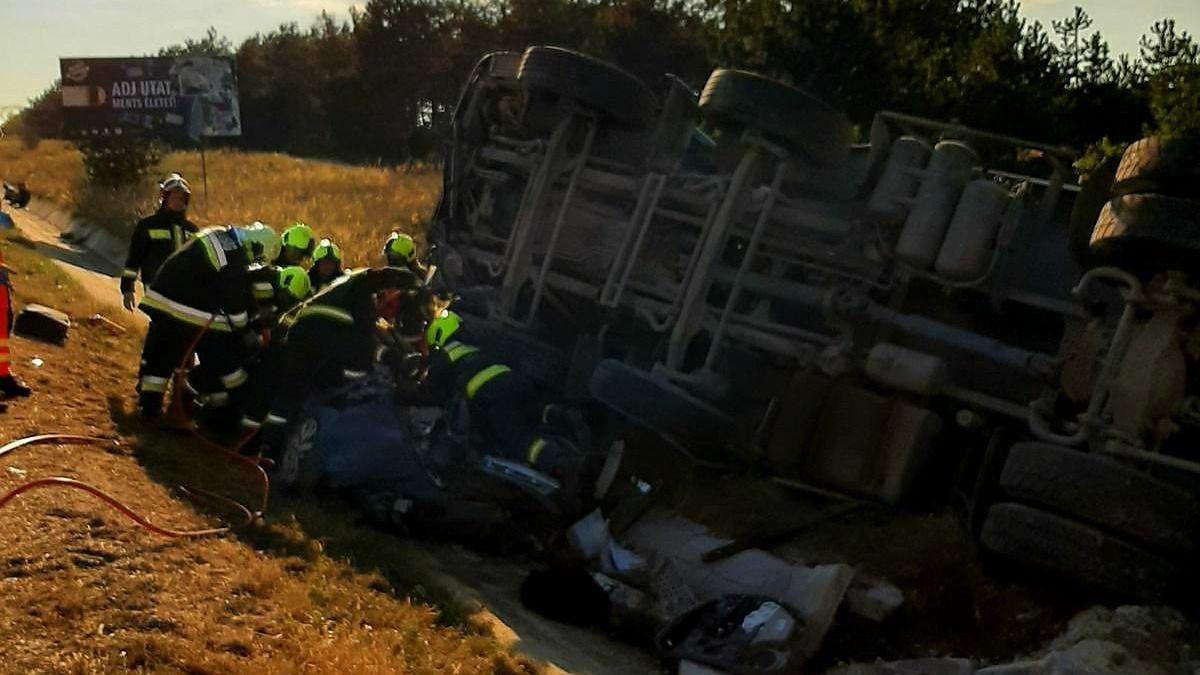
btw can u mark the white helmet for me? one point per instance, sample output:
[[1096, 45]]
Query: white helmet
[[264, 245], [174, 181]]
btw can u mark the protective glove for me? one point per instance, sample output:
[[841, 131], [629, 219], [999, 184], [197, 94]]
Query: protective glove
[[128, 300]]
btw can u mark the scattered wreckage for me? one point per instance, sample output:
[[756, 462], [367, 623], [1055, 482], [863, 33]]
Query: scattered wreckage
[[939, 310]]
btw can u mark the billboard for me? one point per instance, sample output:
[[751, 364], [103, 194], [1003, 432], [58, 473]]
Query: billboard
[[181, 99]]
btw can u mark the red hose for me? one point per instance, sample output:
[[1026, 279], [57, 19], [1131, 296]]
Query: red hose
[[257, 463], [58, 481], [61, 439], [70, 483]]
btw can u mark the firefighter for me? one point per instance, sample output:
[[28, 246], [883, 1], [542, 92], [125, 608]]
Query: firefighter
[[327, 264], [202, 296], [400, 250], [10, 386], [298, 242], [157, 236], [330, 340], [290, 287], [506, 412], [276, 291]]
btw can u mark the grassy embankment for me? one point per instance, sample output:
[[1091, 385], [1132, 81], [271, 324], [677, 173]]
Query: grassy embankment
[[87, 592], [354, 206]]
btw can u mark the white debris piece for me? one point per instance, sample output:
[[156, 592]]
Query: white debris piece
[[872, 598], [813, 592]]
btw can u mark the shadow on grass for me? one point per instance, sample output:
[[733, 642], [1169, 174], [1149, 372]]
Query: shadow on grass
[[78, 257], [305, 528]]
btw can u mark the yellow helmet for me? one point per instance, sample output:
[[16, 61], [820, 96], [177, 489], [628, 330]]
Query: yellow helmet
[[300, 237], [400, 249], [327, 249], [445, 325], [294, 280]]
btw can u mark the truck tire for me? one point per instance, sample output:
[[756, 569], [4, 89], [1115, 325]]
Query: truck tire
[[1103, 492], [1061, 546], [592, 82], [784, 113], [1152, 165], [524, 353], [683, 420], [1147, 232]]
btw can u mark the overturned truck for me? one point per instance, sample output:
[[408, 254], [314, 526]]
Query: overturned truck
[[938, 310]]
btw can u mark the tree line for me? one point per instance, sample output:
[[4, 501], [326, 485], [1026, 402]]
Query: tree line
[[381, 85]]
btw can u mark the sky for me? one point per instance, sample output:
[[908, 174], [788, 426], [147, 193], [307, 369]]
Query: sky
[[38, 32]]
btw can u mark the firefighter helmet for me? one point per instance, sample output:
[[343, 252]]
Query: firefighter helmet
[[173, 183], [294, 281], [300, 237], [442, 328], [400, 249], [261, 241], [327, 249]]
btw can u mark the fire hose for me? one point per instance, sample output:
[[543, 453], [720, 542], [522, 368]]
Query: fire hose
[[257, 463]]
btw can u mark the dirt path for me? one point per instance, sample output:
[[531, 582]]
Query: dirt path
[[96, 275]]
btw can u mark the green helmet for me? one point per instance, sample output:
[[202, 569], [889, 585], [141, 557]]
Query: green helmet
[[300, 237], [261, 241], [400, 249], [442, 328], [327, 249], [294, 281]]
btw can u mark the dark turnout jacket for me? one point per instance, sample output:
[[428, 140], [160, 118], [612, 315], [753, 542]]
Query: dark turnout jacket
[[155, 238], [328, 339], [205, 283]]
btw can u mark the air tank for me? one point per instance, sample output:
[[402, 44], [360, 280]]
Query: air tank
[[897, 184], [941, 183], [968, 248]]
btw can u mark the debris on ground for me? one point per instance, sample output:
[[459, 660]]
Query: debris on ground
[[929, 666], [112, 326], [674, 549], [874, 599], [43, 323], [1129, 640]]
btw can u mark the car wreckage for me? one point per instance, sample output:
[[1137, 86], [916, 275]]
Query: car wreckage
[[936, 311]]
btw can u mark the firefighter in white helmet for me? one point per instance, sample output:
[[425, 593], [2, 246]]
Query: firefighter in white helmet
[[157, 236]]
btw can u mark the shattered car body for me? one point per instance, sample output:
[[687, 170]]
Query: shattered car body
[[729, 271], [418, 470]]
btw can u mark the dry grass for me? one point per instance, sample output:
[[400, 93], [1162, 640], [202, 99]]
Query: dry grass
[[355, 206], [54, 170], [86, 592]]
